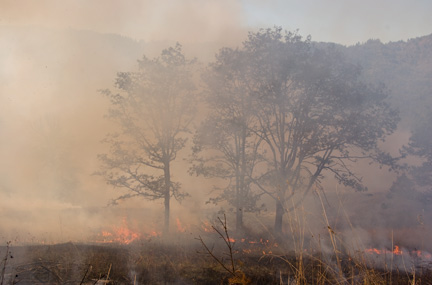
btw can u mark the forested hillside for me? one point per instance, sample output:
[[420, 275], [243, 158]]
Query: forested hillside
[[405, 68]]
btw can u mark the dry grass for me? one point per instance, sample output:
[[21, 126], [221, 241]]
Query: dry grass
[[156, 262], [300, 256]]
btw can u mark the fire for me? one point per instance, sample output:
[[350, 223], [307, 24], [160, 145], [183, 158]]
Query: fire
[[106, 234], [207, 227], [420, 254], [180, 227], [154, 234], [260, 241], [373, 250], [395, 251], [398, 251], [121, 234]]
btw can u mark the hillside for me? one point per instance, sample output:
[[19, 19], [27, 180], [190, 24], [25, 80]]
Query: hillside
[[404, 67]]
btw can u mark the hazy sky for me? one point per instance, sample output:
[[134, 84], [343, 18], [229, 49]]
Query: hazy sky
[[342, 21]]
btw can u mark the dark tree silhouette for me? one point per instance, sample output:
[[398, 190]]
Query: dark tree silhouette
[[420, 145], [224, 145], [314, 115]]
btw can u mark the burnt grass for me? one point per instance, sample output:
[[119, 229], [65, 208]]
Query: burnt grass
[[158, 262]]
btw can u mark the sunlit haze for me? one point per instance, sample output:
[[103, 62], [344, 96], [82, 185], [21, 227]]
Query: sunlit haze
[[57, 56]]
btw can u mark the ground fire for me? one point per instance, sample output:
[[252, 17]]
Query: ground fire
[[121, 235], [398, 251]]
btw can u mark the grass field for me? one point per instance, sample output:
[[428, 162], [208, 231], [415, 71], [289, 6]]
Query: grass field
[[186, 261]]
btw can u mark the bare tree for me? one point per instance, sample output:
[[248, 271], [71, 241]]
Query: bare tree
[[154, 107]]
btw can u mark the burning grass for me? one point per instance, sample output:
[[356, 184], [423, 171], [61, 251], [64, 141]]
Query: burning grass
[[185, 261], [209, 253]]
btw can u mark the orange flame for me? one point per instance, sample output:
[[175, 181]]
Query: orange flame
[[154, 234], [120, 234], [180, 227], [373, 250], [207, 227], [398, 251]]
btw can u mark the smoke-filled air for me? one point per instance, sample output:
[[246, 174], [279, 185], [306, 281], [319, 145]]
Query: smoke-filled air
[[215, 142]]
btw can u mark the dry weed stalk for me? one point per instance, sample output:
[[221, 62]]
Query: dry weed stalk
[[89, 268], [297, 225], [333, 240], [237, 276]]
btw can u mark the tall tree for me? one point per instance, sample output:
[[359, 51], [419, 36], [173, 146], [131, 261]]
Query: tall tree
[[153, 107], [224, 145], [420, 145], [314, 114]]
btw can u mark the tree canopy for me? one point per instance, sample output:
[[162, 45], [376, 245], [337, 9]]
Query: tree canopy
[[307, 107], [420, 145], [282, 112], [224, 145]]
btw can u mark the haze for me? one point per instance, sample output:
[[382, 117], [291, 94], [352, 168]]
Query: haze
[[56, 55]]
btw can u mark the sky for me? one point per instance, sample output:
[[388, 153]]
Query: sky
[[52, 115], [341, 21]]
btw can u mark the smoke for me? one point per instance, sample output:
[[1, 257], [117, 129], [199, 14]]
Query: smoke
[[226, 21], [52, 123], [52, 64], [55, 56], [184, 21]]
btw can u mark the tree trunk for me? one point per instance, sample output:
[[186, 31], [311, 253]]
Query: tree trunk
[[239, 219], [280, 200], [167, 196], [278, 217], [240, 173], [239, 210]]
